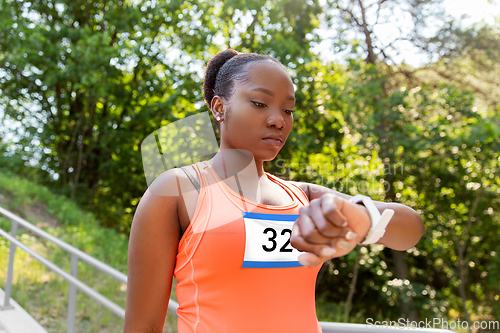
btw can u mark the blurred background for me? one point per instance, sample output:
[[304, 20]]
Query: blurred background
[[396, 99]]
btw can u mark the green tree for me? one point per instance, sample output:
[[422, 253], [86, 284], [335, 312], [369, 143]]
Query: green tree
[[372, 112], [458, 161], [82, 77], [90, 80], [377, 109], [469, 58]]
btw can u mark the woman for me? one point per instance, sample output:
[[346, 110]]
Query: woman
[[233, 236]]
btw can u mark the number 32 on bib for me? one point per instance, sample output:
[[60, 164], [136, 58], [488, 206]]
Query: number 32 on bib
[[268, 241]]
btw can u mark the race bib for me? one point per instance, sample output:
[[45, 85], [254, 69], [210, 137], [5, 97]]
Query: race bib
[[267, 241]]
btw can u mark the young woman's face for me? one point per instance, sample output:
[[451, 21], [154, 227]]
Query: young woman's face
[[258, 116]]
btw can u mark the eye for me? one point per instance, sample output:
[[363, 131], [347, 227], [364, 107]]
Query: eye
[[288, 111], [258, 104]]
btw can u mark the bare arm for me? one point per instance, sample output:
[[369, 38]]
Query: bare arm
[[151, 259], [403, 232]]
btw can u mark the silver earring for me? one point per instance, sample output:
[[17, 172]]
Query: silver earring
[[218, 118]]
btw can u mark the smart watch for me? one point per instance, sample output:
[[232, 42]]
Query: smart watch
[[379, 222]]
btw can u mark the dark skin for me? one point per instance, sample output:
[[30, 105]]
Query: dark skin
[[253, 119]]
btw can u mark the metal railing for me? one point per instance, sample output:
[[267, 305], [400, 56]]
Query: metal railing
[[75, 284], [72, 277]]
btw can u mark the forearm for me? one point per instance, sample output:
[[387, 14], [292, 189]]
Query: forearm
[[405, 228], [403, 231]]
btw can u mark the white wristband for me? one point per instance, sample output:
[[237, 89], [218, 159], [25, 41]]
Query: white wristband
[[379, 222]]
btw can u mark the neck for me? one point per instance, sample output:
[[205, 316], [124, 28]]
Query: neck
[[229, 162]]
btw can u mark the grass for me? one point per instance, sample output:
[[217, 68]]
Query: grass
[[41, 292]]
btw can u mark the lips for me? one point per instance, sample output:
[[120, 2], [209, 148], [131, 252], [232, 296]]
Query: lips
[[274, 139]]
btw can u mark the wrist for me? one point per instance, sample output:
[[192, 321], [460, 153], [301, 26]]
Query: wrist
[[364, 234], [378, 221]]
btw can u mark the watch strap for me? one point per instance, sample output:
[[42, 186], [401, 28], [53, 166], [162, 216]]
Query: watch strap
[[379, 221]]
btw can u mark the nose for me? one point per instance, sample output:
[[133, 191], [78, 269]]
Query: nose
[[276, 119]]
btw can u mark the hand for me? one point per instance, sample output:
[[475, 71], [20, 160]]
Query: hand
[[329, 227]]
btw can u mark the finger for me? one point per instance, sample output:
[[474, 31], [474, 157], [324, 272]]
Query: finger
[[320, 250], [297, 241], [331, 207], [344, 245], [358, 217], [300, 242], [309, 232], [346, 234], [349, 235], [309, 259], [319, 253], [313, 260], [295, 231], [323, 227]]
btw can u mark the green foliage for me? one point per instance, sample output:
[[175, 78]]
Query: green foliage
[[455, 152], [40, 291], [89, 81], [44, 294], [469, 58], [77, 227], [94, 72]]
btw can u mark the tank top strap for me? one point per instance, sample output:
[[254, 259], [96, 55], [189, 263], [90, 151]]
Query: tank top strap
[[200, 172], [193, 234], [297, 191]]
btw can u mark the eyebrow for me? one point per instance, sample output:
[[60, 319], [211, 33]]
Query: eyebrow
[[270, 93]]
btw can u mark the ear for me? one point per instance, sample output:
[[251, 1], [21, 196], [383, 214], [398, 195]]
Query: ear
[[217, 106]]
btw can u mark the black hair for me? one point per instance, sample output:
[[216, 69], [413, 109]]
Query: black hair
[[224, 69]]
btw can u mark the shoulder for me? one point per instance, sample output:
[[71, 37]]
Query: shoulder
[[161, 196], [164, 194], [173, 183]]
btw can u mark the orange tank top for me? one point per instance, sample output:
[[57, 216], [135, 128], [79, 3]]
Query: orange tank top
[[235, 267]]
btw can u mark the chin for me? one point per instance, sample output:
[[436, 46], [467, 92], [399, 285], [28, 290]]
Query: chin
[[265, 157]]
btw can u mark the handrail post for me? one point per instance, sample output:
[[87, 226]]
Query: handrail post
[[72, 296], [10, 270]]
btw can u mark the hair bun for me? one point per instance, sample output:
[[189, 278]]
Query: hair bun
[[213, 67]]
